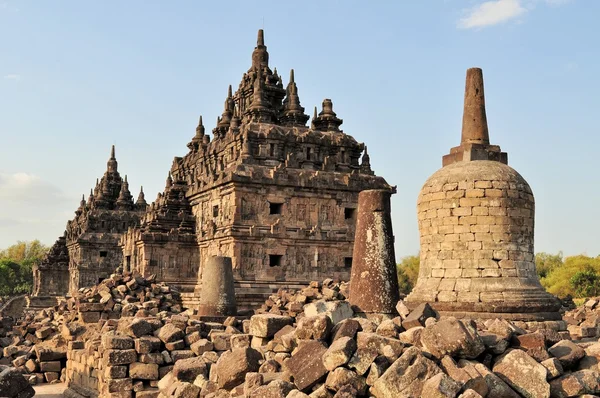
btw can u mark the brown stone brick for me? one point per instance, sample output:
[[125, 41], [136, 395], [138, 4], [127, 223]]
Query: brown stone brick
[[453, 273], [474, 246], [470, 273], [462, 285], [483, 184], [460, 193], [453, 186], [447, 284], [467, 237], [494, 193], [474, 193], [481, 211], [470, 202], [437, 273], [447, 296]]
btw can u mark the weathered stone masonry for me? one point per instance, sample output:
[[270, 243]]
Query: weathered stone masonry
[[476, 222]]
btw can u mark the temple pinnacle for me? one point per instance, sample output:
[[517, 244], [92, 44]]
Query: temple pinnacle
[[291, 76], [474, 125], [112, 164], [260, 41]]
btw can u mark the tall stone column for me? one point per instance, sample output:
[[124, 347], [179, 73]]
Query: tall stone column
[[374, 281], [217, 297]]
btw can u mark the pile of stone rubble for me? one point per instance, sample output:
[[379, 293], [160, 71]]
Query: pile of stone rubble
[[324, 350], [307, 343], [36, 345], [584, 321]]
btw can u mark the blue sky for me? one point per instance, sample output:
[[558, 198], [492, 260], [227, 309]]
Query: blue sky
[[79, 76]]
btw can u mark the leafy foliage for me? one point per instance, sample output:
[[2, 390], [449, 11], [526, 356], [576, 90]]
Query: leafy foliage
[[546, 263], [408, 272], [586, 283], [16, 266], [559, 281]]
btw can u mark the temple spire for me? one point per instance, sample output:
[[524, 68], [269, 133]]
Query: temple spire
[[327, 119], [112, 164], [125, 200], [260, 41], [475, 138], [260, 56], [474, 125], [141, 200], [293, 112]]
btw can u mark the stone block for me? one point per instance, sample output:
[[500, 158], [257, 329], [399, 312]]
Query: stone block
[[139, 327], [190, 368], [143, 371], [110, 341], [440, 386], [147, 344], [120, 357], [315, 327], [306, 365], [266, 325], [452, 337], [567, 352], [406, 376], [170, 333], [336, 310], [523, 373], [232, 366], [418, 316], [51, 366], [339, 353]]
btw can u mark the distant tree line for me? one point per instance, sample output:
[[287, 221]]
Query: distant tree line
[[16, 264], [575, 276]]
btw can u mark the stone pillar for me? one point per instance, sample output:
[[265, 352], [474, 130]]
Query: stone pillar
[[374, 281], [217, 297], [474, 125]]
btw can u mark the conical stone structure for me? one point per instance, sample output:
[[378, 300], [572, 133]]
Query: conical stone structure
[[476, 223]]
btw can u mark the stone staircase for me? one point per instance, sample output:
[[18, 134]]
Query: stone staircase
[[249, 294]]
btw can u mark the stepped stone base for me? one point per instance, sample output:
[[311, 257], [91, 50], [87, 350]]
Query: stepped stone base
[[249, 294], [41, 302]]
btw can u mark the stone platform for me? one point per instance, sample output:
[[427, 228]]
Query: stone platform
[[249, 294]]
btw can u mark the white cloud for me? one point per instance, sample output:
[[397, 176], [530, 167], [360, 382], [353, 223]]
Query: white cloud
[[28, 188], [492, 13], [32, 208], [13, 76]]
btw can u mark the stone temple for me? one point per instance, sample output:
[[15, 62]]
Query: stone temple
[[89, 250], [476, 223], [277, 196]]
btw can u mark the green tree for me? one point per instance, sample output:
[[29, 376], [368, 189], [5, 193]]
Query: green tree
[[408, 272], [16, 266], [585, 283], [558, 281], [546, 263]]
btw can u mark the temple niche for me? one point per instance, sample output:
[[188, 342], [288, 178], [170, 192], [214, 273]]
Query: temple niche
[[277, 196]]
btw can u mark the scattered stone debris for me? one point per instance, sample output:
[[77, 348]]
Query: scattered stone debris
[[36, 345], [584, 321], [305, 343]]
